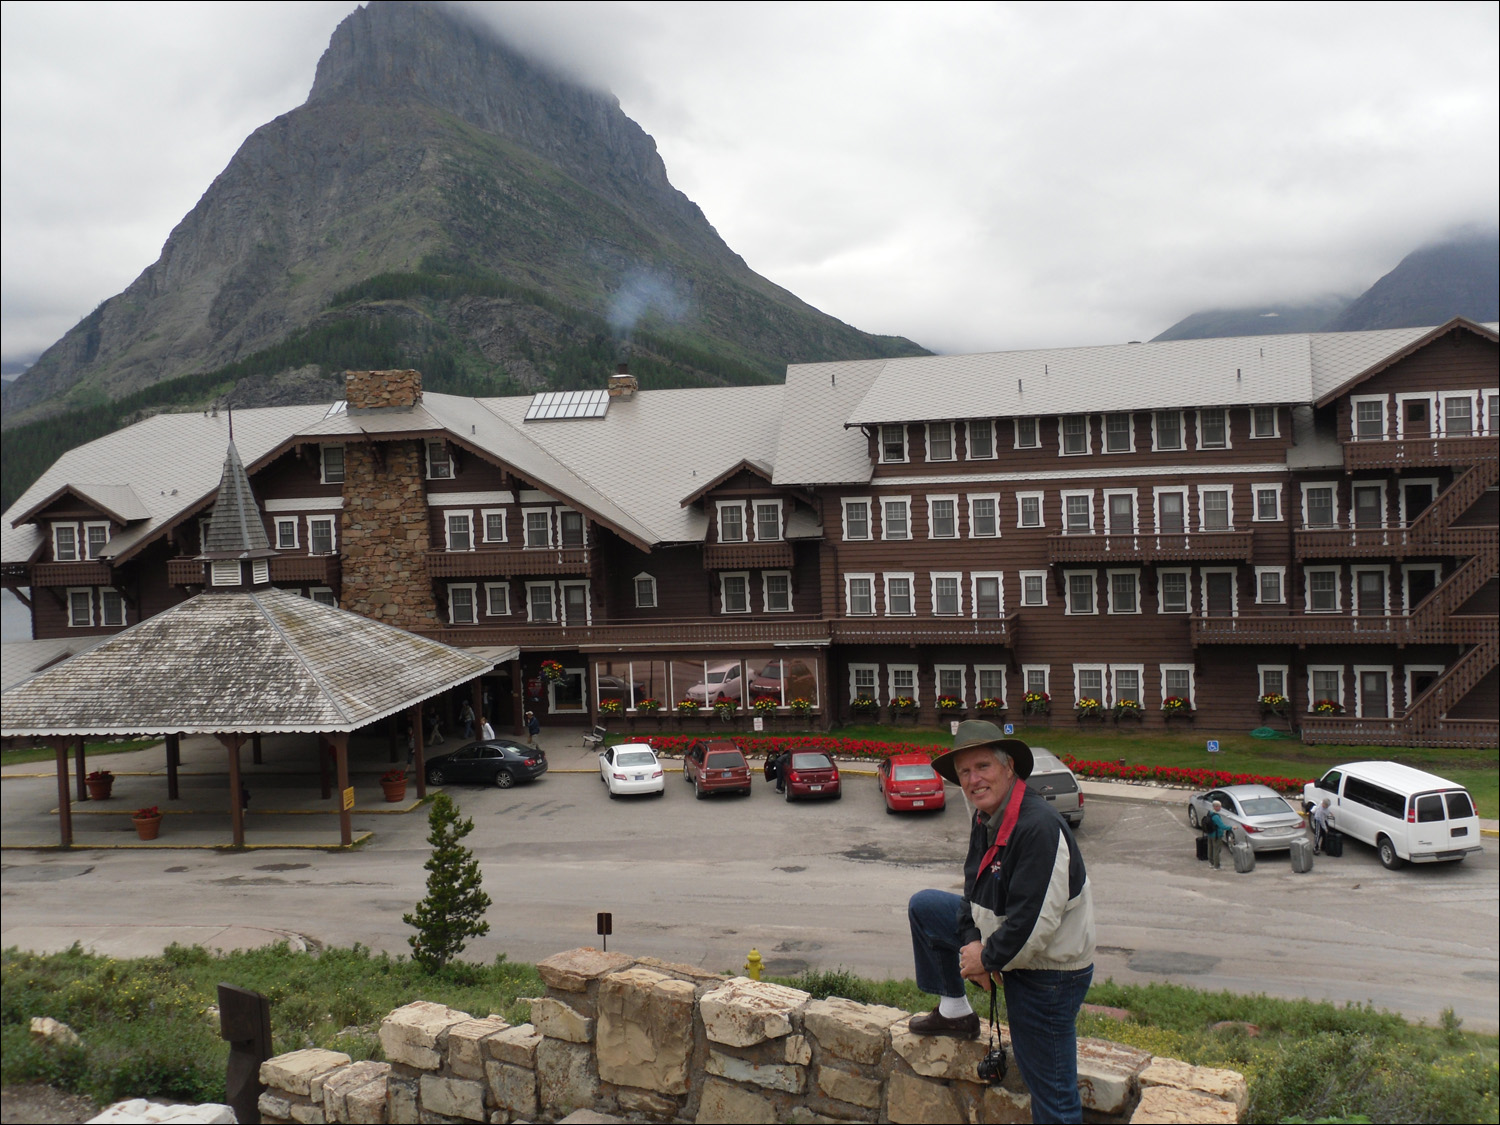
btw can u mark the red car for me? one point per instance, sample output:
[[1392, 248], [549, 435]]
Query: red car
[[908, 782], [811, 775], [716, 765]]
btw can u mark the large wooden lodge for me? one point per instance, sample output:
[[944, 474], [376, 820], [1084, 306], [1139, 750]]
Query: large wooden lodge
[[1214, 521]]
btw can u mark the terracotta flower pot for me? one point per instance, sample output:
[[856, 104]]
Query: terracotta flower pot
[[394, 790], [99, 790], [146, 827]]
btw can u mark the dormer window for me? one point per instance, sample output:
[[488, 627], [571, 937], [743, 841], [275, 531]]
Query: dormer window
[[96, 538], [768, 521], [439, 461], [981, 440], [333, 464], [65, 542], [732, 523], [1075, 435], [892, 444]]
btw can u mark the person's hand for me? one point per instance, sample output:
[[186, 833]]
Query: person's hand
[[971, 965]]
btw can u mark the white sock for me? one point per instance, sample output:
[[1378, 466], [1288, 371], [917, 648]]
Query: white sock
[[953, 1007]]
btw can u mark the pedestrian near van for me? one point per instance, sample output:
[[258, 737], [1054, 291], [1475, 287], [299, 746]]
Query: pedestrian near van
[[533, 728], [1218, 832], [1320, 825]]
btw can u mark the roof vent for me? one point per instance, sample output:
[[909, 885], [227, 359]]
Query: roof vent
[[622, 383], [549, 406]]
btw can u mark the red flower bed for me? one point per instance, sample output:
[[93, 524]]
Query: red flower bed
[[1179, 775]]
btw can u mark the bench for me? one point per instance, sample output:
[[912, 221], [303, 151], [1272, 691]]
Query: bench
[[594, 739]]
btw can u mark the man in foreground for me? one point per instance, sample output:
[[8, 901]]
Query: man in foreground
[[1026, 915]]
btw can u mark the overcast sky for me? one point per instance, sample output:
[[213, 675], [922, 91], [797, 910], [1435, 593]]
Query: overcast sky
[[974, 177]]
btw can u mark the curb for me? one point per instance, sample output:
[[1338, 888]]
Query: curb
[[143, 847]]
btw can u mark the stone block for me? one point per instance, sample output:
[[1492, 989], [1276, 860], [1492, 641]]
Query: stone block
[[295, 1072], [730, 1105], [644, 1103], [849, 1030], [743, 1012], [366, 1105], [402, 1100], [1229, 1085], [941, 1056], [1109, 1075], [275, 1106], [512, 1088], [417, 1033], [999, 1106], [846, 1086], [575, 969], [773, 1076], [691, 973], [466, 1045], [645, 1030], [453, 1097], [1166, 1105], [54, 1031], [338, 1085], [918, 1101], [555, 1020], [565, 1077], [797, 1050], [515, 1045], [306, 1113]]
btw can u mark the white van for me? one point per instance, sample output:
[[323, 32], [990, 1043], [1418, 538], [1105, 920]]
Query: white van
[[1405, 814]]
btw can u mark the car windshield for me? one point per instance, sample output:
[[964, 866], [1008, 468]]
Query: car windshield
[[917, 772], [811, 762], [636, 758], [724, 761], [1265, 806]]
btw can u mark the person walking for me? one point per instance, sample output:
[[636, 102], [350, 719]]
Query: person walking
[[466, 716], [1218, 832], [533, 728], [1320, 825], [486, 732]]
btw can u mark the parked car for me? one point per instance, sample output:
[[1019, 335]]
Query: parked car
[[723, 680], [716, 765], [631, 767], [499, 762], [793, 675], [616, 687], [812, 775], [1257, 813], [1055, 781], [908, 782], [1407, 815]]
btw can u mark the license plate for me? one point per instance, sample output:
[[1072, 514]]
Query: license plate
[[815, 788], [918, 804], [639, 777]]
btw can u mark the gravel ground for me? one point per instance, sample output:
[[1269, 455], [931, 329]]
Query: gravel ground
[[20, 1104]]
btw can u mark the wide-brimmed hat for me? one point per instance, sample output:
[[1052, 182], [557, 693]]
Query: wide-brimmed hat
[[973, 733]]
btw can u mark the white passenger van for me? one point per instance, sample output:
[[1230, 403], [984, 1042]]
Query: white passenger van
[[1405, 814]]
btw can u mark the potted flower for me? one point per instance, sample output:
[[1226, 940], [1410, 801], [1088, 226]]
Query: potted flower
[[99, 783], [1088, 707], [724, 708], [765, 705], [1274, 703], [648, 706], [1328, 707], [950, 706], [687, 708], [393, 784], [1175, 707], [552, 671], [1127, 709], [803, 707], [1036, 703], [147, 822], [864, 707], [611, 707], [903, 707], [989, 707]]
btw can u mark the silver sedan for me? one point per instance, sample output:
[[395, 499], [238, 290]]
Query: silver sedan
[[1256, 813]]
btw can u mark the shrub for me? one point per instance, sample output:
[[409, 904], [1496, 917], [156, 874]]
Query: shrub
[[454, 908]]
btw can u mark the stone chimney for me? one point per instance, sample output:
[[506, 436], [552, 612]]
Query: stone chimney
[[622, 383], [382, 390]]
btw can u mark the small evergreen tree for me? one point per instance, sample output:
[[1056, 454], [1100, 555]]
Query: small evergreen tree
[[454, 908]]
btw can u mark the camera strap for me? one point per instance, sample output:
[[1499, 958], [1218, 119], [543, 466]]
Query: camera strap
[[994, 1011]]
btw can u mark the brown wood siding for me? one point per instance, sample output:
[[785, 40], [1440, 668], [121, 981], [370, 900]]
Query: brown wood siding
[[1455, 362]]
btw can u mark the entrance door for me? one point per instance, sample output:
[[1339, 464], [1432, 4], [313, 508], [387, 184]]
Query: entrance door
[[1419, 583], [1373, 695], [1370, 593], [1170, 516], [1415, 422], [1417, 497], [1367, 506], [1220, 594]]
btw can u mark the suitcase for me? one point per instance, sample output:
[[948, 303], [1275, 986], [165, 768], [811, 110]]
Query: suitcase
[[1244, 858], [1302, 855], [1333, 844], [1202, 847]]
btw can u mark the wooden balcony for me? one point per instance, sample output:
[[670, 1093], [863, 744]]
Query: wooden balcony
[[94, 572], [1000, 631], [1333, 628], [1389, 542], [699, 633], [503, 562], [747, 556], [310, 570], [1151, 547], [1472, 734], [1417, 453]]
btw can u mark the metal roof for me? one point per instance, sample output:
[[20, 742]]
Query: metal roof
[[812, 446]]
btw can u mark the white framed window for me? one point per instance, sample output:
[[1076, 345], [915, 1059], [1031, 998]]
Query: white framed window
[[1077, 512], [1325, 681], [1171, 510], [577, 607], [1274, 679], [987, 595], [1416, 493], [460, 530], [1420, 677], [1029, 509], [541, 602], [1417, 581], [1028, 434], [1267, 502], [1081, 587], [439, 461], [538, 524], [1414, 414], [1119, 511], [1270, 585], [892, 444], [1125, 683], [902, 680], [899, 599], [111, 607], [1174, 591], [984, 515], [1088, 682], [322, 538], [1265, 422], [942, 517], [95, 538], [1179, 680], [950, 680], [645, 591], [768, 521], [895, 517], [1221, 591], [497, 599], [65, 542], [493, 522], [1215, 509], [323, 595], [734, 592], [980, 444], [1372, 591], [864, 682], [1074, 429], [1320, 504], [331, 458], [286, 533], [1166, 431], [940, 441], [1491, 412], [1213, 428], [1458, 414], [1033, 587], [731, 521], [570, 528], [776, 590], [989, 682], [1322, 589], [856, 517], [859, 595], [462, 603], [947, 595], [1367, 417], [225, 572], [1119, 433], [1124, 591], [1037, 678]]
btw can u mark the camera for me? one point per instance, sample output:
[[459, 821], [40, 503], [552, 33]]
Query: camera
[[992, 1067]]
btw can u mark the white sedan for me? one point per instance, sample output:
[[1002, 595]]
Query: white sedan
[[631, 767]]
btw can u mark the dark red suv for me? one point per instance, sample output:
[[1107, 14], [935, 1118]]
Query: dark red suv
[[716, 765]]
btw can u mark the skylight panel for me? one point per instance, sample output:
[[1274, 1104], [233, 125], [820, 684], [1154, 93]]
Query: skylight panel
[[556, 405]]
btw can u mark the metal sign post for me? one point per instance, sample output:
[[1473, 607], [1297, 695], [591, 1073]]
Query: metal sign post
[[604, 925]]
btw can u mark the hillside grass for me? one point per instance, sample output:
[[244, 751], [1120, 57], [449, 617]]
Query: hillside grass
[[91, 750]]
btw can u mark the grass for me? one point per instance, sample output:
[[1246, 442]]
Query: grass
[[90, 749]]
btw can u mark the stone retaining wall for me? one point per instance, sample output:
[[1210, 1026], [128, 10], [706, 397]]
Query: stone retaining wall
[[649, 1040]]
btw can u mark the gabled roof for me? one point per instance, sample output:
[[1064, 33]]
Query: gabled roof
[[1360, 355], [812, 446], [117, 501], [743, 465]]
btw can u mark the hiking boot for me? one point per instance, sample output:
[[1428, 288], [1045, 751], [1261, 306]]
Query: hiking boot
[[935, 1023]]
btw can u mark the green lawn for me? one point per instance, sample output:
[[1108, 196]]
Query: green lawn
[[92, 749]]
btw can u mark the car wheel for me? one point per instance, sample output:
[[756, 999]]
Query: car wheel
[[662, 792], [698, 791], [787, 793], [1193, 815], [434, 777], [888, 810], [838, 794], [503, 780], [1388, 857], [613, 795]]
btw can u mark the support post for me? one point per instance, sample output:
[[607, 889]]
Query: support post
[[233, 742], [825, 694], [476, 700], [174, 761], [323, 766], [418, 757], [517, 699], [64, 798], [245, 1021], [393, 730], [255, 749], [81, 769], [340, 745]]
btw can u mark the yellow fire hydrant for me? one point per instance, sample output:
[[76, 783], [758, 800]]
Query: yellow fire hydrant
[[753, 965]]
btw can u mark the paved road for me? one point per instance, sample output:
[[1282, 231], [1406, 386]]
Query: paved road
[[820, 885]]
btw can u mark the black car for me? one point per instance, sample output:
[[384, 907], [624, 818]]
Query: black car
[[499, 762]]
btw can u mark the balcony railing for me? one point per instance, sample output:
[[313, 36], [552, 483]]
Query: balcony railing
[[93, 572], [926, 630], [502, 562], [746, 556], [717, 633], [1151, 547], [1389, 542], [311, 570], [1350, 730], [1419, 452], [1318, 629]]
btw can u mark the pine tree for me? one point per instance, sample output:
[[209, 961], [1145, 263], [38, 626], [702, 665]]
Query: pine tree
[[454, 907]]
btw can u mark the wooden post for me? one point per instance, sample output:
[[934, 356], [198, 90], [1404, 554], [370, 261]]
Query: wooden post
[[340, 744], [517, 699], [393, 731], [64, 798], [255, 749], [418, 755], [476, 700], [81, 769], [323, 766], [825, 694], [174, 760], [233, 742]]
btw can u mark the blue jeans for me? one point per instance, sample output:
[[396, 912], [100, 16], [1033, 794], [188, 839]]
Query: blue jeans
[[1042, 1007], [934, 941]]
